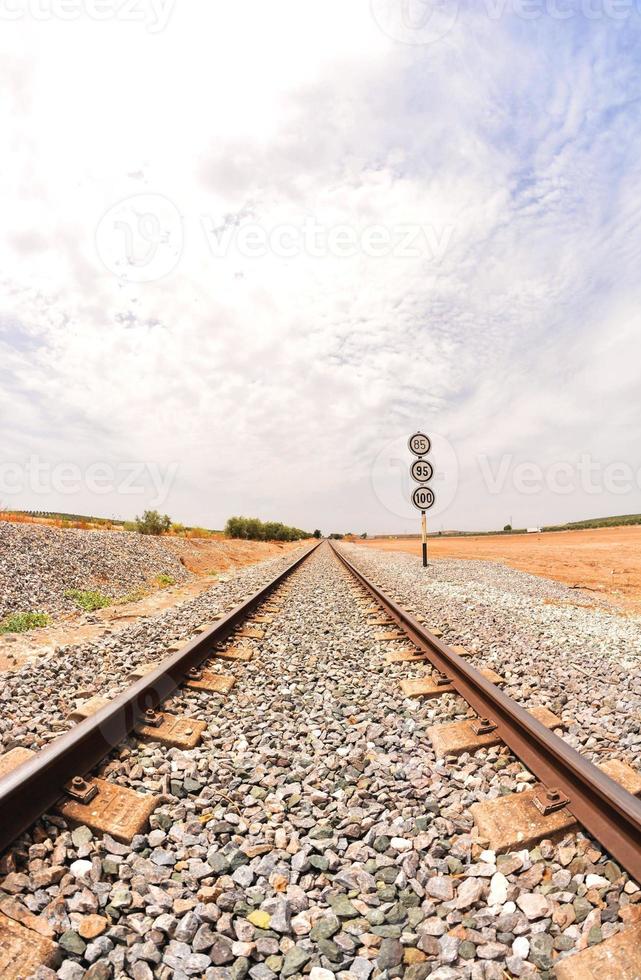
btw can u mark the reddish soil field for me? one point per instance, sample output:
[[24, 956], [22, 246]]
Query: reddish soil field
[[603, 560]]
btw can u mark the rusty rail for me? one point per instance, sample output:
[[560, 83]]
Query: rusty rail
[[36, 785], [601, 805]]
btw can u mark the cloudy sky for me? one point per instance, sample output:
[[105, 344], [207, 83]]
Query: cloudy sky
[[247, 248]]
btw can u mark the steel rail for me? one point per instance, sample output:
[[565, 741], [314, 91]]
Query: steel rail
[[601, 805], [32, 788]]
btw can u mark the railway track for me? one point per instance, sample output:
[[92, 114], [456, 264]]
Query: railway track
[[572, 790]]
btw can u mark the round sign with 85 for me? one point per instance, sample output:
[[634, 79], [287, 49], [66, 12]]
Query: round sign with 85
[[419, 444]]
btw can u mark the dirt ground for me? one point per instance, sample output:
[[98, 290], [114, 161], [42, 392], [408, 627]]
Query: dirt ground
[[604, 560], [207, 556]]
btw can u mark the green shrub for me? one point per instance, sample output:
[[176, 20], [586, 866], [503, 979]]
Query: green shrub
[[89, 600], [252, 529], [21, 622], [165, 580], [152, 522]]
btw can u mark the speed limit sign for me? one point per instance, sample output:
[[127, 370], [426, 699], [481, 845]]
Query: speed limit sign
[[419, 444], [421, 470], [423, 498]]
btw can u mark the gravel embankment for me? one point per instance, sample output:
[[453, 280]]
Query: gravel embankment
[[36, 699], [554, 645], [314, 832], [38, 564]]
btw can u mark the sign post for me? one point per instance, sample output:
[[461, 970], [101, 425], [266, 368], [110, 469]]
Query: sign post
[[422, 471]]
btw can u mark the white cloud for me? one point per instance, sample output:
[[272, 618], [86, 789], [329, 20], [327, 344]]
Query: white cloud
[[274, 382]]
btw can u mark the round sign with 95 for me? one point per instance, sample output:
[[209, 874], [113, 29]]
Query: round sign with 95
[[421, 470]]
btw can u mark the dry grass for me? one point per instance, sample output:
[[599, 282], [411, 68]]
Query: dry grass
[[16, 518], [57, 522]]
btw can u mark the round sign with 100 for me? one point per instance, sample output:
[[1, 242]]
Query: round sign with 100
[[423, 498]]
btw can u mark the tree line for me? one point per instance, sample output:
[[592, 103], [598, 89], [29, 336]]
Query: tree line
[[253, 529]]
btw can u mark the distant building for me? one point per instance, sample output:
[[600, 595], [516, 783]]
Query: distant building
[[533, 530]]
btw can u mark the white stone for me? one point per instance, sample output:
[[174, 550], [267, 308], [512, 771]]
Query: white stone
[[280, 839], [469, 892], [521, 947], [509, 908], [401, 844], [243, 948], [534, 905], [301, 924], [488, 856], [596, 881], [480, 870], [317, 973], [498, 889], [80, 868]]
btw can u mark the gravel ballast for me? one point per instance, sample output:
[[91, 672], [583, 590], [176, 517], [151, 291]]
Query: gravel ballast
[[554, 645], [36, 700], [313, 831], [39, 564]]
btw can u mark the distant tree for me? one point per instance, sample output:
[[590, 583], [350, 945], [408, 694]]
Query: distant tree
[[336, 537], [318, 534], [152, 522], [364, 535], [253, 529], [508, 527]]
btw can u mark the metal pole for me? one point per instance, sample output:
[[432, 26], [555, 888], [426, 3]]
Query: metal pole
[[424, 537]]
